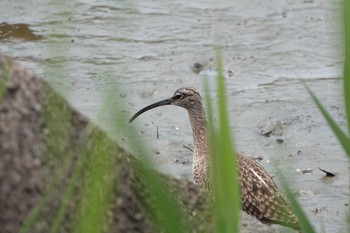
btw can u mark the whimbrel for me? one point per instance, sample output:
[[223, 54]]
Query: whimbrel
[[260, 196]]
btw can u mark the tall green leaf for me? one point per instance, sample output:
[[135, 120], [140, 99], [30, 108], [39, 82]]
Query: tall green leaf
[[4, 77], [303, 221], [99, 163], [342, 137], [223, 162], [346, 70], [162, 205]]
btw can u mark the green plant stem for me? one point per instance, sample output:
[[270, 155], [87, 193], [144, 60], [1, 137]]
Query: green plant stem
[[342, 137], [346, 70]]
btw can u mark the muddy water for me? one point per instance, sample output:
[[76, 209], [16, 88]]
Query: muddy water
[[142, 51]]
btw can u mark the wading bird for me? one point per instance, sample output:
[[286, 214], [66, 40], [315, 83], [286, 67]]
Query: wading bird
[[260, 196]]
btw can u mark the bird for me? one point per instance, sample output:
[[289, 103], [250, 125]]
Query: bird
[[260, 195]]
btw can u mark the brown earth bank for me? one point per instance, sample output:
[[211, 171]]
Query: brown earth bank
[[40, 148]]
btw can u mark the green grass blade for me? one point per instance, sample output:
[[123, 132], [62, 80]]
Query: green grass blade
[[342, 137], [99, 186], [225, 181], [346, 70], [303, 221], [4, 77], [67, 197], [229, 170], [162, 205], [34, 214]]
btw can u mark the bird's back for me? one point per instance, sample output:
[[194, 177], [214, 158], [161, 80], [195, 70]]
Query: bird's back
[[260, 195]]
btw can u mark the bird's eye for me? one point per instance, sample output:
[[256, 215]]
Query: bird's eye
[[178, 97]]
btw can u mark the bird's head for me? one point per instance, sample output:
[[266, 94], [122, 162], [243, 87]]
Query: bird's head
[[187, 97]]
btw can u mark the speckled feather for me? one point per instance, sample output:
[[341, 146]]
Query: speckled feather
[[260, 196]]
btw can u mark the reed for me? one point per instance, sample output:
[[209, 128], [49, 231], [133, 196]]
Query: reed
[[224, 172]]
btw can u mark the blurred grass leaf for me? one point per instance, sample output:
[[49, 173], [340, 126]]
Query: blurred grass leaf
[[346, 69], [223, 161], [4, 77], [100, 165], [303, 221], [342, 137], [162, 205]]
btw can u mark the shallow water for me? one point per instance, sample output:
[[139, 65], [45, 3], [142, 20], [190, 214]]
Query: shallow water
[[137, 53]]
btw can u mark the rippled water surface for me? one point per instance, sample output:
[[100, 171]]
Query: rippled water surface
[[142, 51]]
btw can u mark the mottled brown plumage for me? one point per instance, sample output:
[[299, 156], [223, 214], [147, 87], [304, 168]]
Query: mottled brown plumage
[[260, 196]]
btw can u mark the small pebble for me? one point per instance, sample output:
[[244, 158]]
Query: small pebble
[[304, 170], [305, 193], [279, 140], [257, 158]]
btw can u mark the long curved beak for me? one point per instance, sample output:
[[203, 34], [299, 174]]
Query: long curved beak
[[149, 107]]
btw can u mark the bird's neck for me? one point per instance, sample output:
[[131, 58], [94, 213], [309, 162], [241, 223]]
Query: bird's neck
[[200, 165], [199, 131]]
